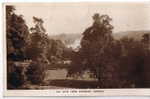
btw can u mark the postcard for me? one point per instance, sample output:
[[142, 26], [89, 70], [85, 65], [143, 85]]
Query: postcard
[[76, 49]]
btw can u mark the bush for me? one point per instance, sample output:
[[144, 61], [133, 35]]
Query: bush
[[36, 72], [14, 76]]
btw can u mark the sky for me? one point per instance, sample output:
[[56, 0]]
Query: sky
[[76, 17]]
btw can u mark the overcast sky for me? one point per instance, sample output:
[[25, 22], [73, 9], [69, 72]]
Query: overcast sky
[[75, 18]]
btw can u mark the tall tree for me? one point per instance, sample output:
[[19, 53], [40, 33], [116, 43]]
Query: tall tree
[[17, 34], [95, 53], [37, 50]]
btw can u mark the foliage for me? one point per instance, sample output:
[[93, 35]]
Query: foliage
[[134, 61], [36, 51], [95, 42], [122, 63], [35, 71], [114, 63], [14, 76], [17, 35], [41, 47], [30, 44]]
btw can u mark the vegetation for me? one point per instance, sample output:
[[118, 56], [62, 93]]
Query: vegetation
[[17, 35], [122, 63], [33, 46]]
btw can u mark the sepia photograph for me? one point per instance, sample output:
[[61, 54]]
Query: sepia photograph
[[83, 45]]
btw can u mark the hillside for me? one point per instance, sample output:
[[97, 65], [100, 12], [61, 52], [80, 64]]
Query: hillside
[[137, 35], [67, 39], [73, 40]]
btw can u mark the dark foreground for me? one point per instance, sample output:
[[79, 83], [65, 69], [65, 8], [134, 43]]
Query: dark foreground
[[63, 84]]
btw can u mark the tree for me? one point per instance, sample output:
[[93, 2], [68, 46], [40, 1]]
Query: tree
[[146, 40], [36, 50], [145, 73], [131, 62], [96, 53], [17, 35], [38, 40], [115, 63]]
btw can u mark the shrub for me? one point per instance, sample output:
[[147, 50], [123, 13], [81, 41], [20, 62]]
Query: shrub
[[14, 76], [36, 72]]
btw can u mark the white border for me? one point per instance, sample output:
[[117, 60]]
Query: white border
[[102, 92], [134, 1]]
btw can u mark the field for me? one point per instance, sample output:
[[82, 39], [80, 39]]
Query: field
[[56, 79]]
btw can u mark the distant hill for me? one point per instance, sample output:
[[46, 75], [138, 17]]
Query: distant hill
[[67, 39], [74, 39], [136, 35]]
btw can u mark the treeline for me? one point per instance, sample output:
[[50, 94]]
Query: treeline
[[114, 63], [30, 51]]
